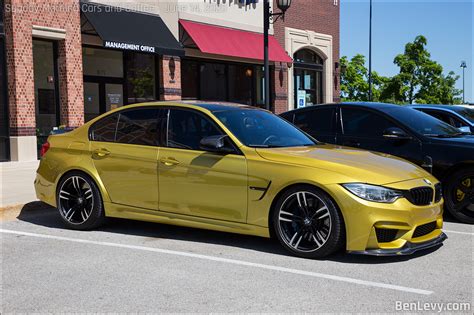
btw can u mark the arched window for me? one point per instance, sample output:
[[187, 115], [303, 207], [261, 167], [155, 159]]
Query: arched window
[[308, 78]]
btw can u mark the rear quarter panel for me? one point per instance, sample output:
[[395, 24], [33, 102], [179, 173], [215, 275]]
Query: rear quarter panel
[[68, 152]]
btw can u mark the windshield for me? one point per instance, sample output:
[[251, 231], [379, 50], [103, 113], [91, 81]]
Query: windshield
[[467, 113], [261, 129], [423, 123]]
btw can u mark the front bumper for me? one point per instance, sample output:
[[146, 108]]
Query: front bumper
[[399, 228], [408, 249]]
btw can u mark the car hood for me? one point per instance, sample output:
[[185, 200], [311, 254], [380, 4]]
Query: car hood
[[356, 165]]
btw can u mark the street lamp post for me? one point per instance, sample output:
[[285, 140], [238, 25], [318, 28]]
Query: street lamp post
[[283, 5], [463, 66], [370, 52]]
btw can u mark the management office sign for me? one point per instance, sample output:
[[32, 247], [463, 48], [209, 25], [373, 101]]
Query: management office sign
[[126, 46]]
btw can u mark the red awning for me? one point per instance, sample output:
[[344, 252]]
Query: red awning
[[218, 40]]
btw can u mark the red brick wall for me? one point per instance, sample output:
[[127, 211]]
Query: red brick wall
[[320, 16], [170, 78], [280, 88], [20, 16]]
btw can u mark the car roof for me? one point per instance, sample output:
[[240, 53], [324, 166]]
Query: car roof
[[380, 106], [210, 106], [434, 106]]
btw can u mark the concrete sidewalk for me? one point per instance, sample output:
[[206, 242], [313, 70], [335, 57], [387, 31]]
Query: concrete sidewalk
[[16, 182]]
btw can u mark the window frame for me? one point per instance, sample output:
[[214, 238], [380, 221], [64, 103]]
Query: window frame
[[254, 66], [165, 128]]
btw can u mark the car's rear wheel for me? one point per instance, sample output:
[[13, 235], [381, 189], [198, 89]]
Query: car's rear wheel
[[307, 222], [459, 195], [79, 202]]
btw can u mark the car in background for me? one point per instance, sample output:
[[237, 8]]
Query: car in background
[[461, 117], [238, 169], [404, 132]]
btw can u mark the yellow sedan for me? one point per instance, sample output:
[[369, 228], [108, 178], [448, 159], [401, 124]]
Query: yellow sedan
[[238, 169]]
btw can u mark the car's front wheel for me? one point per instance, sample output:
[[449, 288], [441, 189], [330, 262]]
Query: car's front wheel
[[79, 202], [459, 195], [307, 222]]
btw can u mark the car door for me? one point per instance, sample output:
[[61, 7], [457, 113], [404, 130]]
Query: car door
[[364, 128], [124, 151], [318, 121], [195, 182]]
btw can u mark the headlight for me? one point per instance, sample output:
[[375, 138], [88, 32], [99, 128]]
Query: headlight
[[374, 193]]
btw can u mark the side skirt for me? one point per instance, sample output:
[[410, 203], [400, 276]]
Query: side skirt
[[128, 212]]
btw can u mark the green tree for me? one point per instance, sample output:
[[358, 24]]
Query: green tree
[[420, 79], [355, 78]]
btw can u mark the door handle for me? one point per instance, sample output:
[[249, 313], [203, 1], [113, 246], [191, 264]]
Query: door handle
[[101, 152], [169, 161]]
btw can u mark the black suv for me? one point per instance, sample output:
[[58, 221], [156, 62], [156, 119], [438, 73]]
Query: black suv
[[404, 132]]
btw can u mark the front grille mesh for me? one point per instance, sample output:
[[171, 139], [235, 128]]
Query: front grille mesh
[[421, 196], [424, 229], [385, 235]]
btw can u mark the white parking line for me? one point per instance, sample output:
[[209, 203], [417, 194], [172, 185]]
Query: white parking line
[[457, 232], [228, 261]]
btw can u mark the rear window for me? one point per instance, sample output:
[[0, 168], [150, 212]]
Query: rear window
[[104, 129]]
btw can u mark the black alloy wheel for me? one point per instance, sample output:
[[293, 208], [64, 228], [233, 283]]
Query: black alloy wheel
[[79, 202], [459, 195], [307, 223]]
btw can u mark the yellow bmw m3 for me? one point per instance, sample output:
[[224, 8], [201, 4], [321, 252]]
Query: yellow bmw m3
[[238, 169]]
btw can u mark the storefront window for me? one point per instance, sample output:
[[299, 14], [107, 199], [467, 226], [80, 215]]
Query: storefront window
[[102, 62], [140, 73], [114, 78], [46, 88], [308, 78], [190, 81], [240, 84], [219, 81], [213, 82]]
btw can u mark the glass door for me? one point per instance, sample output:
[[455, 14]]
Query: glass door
[[100, 96], [46, 88], [308, 87]]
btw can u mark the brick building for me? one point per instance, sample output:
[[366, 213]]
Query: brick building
[[63, 62]]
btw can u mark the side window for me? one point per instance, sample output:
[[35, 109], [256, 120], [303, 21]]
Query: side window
[[458, 123], [138, 126], [186, 129], [439, 115], [364, 123], [318, 121], [104, 129]]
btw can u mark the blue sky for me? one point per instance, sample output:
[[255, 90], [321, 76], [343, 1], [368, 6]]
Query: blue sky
[[448, 26]]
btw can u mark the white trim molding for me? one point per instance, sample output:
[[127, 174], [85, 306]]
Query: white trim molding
[[48, 32], [322, 44]]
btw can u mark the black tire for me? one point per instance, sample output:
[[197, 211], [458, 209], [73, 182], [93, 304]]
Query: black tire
[[459, 197], [312, 231], [79, 202]]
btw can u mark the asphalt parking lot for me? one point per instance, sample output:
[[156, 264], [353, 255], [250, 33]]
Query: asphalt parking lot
[[130, 266]]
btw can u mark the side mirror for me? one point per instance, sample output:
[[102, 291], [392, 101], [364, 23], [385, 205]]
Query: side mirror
[[465, 129], [396, 134], [214, 144]]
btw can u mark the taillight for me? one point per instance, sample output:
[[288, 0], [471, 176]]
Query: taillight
[[44, 148]]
